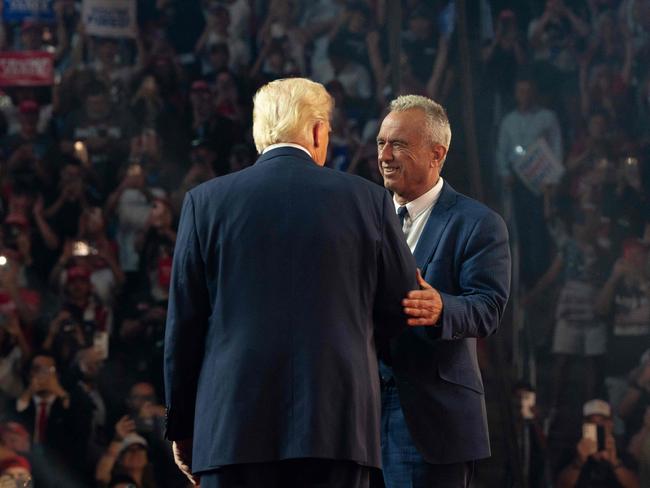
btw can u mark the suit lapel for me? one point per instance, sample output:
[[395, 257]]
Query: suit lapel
[[434, 227]]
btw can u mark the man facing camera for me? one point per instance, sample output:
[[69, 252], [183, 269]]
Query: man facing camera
[[284, 276], [434, 424]]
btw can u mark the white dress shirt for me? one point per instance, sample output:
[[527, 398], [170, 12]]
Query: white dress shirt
[[418, 213], [285, 144]]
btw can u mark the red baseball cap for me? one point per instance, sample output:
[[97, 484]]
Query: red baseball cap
[[18, 219], [200, 85], [15, 462], [13, 428], [28, 107]]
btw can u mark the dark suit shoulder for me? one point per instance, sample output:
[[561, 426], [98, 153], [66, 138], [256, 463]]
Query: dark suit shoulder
[[345, 183]]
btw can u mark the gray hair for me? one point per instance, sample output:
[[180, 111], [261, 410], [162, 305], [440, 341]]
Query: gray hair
[[437, 123]]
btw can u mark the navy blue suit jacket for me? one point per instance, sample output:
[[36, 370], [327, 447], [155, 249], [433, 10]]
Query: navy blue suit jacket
[[463, 252], [284, 275]]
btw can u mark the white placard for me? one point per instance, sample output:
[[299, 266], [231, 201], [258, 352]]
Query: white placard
[[109, 18]]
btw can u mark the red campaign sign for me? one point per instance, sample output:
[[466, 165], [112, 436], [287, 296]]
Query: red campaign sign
[[26, 68]]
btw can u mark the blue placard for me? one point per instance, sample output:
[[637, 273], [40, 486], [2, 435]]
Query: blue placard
[[18, 10]]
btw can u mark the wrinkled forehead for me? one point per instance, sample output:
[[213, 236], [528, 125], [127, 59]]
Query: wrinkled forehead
[[403, 124]]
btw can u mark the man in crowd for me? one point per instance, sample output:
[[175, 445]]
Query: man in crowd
[[519, 131], [597, 462], [434, 424], [279, 274], [46, 410]]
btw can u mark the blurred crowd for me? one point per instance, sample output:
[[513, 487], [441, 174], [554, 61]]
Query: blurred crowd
[[94, 168]]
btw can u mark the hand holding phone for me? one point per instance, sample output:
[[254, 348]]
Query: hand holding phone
[[588, 445]]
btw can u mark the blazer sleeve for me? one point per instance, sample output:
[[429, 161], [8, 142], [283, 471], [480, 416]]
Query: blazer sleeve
[[187, 321], [484, 281], [396, 276]]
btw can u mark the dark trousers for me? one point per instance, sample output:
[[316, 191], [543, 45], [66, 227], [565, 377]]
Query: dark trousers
[[404, 466], [291, 473]]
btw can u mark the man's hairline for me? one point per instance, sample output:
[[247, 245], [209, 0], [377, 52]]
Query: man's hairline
[[424, 112]]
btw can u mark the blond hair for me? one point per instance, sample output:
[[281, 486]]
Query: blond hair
[[286, 110], [437, 123]]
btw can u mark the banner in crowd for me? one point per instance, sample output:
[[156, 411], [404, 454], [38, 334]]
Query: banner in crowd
[[18, 10], [109, 18], [26, 68], [538, 167]]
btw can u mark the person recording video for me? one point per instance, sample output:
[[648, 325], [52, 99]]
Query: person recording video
[[597, 462]]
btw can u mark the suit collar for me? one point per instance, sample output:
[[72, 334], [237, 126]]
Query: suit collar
[[435, 226], [283, 152]]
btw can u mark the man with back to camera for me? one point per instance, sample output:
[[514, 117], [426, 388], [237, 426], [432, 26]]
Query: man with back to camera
[[434, 423], [280, 270]]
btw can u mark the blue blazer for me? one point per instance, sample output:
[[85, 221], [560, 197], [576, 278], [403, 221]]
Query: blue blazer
[[284, 276], [463, 252]]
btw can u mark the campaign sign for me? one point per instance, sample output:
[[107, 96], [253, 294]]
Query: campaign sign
[[538, 167], [26, 68], [109, 18], [18, 10]]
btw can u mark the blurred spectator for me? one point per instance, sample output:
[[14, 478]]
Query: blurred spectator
[[624, 300], [605, 90], [91, 411], [140, 341], [147, 104], [639, 448], [227, 102], [26, 214], [635, 15], [353, 76], [597, 462], [127, 455], [65, 207], [426, 46], [149, 416], [203, 161], [81, 320], [608, 42], [156, 247], [28, 143], [15, 439], [632, 408], [272, 63], [31, 36], [554, 37], [103, 129], [14, 349], [216, 129], [503, 57], [531, 439], [15, 471], [217, 30], [131, 203], [106, 274], [625, 202], [579, 333], [279, 31], [105, 65], [45, 409], [218, 60], [519, 130]]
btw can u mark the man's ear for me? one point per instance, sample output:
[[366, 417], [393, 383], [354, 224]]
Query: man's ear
[[317, 133], [439, 154]]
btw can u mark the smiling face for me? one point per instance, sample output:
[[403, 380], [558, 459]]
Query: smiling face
[[408, 161]]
